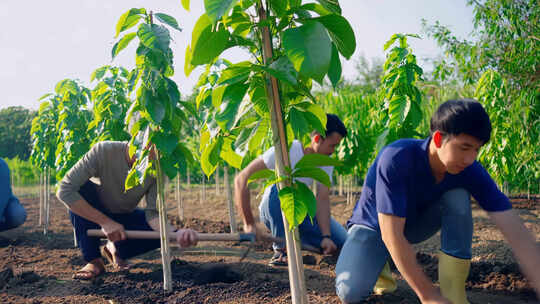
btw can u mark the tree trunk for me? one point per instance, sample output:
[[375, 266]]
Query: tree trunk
[[46, 204], [179, 199], [296, 269], [340, 193]]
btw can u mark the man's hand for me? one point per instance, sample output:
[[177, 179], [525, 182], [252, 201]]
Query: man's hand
[[257, 230], [328, 246], [114, 231], [186, 237]]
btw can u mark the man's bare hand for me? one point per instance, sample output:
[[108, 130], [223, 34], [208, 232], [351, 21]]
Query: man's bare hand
[[328, 246], [114, 231], [186, 237]]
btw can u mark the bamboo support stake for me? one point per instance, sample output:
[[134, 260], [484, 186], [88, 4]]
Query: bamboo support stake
[[46, 204], [179, 199], [216, 178], [230, 203], [296, 269], [40, 222], [163, 231]]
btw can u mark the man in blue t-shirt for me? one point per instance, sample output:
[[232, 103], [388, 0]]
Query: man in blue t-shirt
[[416, 188]]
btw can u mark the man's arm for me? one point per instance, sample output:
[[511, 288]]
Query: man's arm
[[5, 188], [323, 217], [404, 257], [522, 242], [242, 196], [113, 230]]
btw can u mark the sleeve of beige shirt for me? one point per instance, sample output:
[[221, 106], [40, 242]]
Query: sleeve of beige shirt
[[80, 173], [151, 211]]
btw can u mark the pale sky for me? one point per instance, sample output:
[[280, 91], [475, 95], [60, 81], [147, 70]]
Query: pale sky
[[43, 42]]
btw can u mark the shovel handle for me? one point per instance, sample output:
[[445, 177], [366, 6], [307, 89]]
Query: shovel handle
[[144, 234]]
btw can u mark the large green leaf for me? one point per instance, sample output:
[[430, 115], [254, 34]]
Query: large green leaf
[[316, 160], [188, 67], [215, 9], [232, 97], [165, 142], [309, 49], [315, 173], [298, 123], [228, 154], [334, 73], [306, 195], [264, 173], [155, 37], [340, 32], [283, 70], [206, 44], [294, 209], [122, 44], [185, 4], [235, 73], [129, 19], [168, 20], [210, 156], [331, 5], [398, 108]]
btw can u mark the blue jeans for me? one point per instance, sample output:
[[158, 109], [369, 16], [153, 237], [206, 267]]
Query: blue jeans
[[135, 220], [270, 215], [364, 254], [14, 215]]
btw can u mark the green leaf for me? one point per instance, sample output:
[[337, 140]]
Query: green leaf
[[391, 41], [171, 21], [294, 210], [331, 5], [309, 49], [235, 73], [283, 70], [43, 97], [232, 97], [129, 19], [215, 9], [210, 156], [165, 143], [316, 160], [229, 155], [315, 173], [185, 4], [122, 43], [264, 173], [334, 73], [317, 8], [306, 195], [217, 96], [156, 110], [398, 109], [206, 44], [298, 123], [340, 32], [131, 179], [188, 67], [155, 37], [98, 73]]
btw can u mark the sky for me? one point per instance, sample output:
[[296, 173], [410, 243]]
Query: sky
[[43, 42]]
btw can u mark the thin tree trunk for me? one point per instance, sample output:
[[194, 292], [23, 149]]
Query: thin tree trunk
[[46, 204], [203, 190], [163, 228], [296, 269], [230, 203]]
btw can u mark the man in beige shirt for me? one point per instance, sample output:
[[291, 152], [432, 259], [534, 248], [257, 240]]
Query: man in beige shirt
[[108, 206]]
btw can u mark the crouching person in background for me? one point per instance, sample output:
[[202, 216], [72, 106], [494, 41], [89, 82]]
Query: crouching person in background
[[108, 206], [12, 213]]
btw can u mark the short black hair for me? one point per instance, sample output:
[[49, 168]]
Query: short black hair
[[334, 124], [468, 116]]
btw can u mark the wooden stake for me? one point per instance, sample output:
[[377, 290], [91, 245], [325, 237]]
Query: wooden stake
[[41, 183], [179, 199], [296, 269], [163, 231], [216, 179], [230, 203]]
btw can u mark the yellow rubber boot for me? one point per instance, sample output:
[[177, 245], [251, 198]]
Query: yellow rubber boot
[[453, 273], [385, 283]]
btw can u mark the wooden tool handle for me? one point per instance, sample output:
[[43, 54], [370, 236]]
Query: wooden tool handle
[[219, 237]]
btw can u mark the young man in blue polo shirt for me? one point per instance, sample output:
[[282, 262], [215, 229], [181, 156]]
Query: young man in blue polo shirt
[[416, 188]]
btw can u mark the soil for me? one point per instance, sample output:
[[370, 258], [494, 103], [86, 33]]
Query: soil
[[37, 268]]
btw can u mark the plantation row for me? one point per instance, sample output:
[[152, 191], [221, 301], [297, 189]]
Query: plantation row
[[241, 109]]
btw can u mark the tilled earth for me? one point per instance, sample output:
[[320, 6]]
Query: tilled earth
[[37, 268]]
